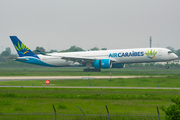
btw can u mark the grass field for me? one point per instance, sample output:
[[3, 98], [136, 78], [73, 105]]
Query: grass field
[[91, 101], [169, 81]]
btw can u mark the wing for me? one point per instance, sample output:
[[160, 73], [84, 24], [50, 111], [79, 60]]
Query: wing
[[83, 60]]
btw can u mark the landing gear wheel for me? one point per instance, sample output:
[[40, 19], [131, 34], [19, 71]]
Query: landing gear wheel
[[92, 70], [167, 67], [99, 70]]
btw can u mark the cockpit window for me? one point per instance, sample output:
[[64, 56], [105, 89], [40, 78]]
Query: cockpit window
[[169, 52]]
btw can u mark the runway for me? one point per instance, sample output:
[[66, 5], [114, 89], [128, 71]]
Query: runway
[[11, 78]]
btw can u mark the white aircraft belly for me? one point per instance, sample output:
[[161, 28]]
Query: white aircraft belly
[[57, 62]]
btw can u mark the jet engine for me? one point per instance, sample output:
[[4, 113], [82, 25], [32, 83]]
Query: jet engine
[[104, 63]]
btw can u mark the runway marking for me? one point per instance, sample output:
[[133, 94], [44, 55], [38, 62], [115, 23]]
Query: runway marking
[[4, 78]]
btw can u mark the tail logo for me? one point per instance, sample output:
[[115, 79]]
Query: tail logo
[[21, 48], [151, 54]]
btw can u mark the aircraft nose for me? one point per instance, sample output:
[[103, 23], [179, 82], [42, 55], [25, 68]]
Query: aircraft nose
[[175, 56]]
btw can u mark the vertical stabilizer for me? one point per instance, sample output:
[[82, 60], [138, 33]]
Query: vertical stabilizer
[[21, 49]]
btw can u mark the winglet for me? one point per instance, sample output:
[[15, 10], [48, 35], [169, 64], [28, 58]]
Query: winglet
[[21, 49]]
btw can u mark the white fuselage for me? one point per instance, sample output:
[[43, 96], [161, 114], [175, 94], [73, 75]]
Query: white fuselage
[[117, 56]]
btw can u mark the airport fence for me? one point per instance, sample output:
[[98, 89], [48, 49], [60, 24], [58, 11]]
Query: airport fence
[[83, 116]]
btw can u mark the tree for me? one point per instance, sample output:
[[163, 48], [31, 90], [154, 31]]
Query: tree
[[51, 51], [8, 49], [171, 48], [5, 53], [103, 48], [73, 49], [178, 52], [41, 49], [173, 111], [95, 48]]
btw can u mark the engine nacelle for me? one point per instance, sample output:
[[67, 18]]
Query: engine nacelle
[[104, 63], [118, 65]]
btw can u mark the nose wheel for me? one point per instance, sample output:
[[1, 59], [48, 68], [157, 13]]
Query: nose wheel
[[167, 67]]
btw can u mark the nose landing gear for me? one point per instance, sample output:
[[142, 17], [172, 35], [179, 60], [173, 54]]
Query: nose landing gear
[[167, 67]]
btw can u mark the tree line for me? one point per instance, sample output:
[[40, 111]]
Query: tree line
[[71, 49]]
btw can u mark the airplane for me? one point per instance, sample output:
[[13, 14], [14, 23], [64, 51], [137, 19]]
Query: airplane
[[96, 59]]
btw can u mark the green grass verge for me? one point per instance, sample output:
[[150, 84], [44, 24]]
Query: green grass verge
[[79, 72], [169, 81]]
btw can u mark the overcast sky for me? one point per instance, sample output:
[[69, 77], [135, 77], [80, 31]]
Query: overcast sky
[[114, 24]]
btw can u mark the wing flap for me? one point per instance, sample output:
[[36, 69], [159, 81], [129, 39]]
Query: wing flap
[[78, 59], [82, 59]]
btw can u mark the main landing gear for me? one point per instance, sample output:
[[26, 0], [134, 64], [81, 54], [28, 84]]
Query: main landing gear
[[92, 70]]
